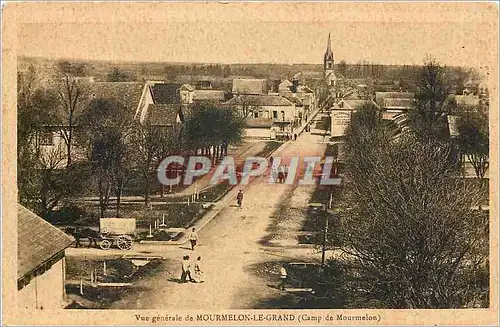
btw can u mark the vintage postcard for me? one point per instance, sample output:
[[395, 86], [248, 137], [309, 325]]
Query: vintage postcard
[[232, 163]]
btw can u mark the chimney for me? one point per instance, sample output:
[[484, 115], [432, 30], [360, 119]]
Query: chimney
[[295, 84]]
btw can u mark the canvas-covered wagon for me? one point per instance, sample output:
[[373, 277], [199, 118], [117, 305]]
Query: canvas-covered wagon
[[117, 231]]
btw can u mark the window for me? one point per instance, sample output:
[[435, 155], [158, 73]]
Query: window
[[255, 114], [283, 115], [46, 138], [275, 114]]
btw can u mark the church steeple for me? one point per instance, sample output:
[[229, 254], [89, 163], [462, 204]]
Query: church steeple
[[328, 58], [329, 53]]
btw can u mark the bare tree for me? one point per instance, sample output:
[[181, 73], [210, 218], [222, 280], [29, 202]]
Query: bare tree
[[429, 117], [72, 93], [414, 238], [473, 139]]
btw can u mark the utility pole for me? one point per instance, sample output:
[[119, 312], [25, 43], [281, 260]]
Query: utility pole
[[325, 232]]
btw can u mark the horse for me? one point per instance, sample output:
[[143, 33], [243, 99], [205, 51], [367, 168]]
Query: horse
[[84, 232]]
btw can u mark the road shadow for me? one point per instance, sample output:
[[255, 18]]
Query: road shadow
[[175, 280], [185, 248]]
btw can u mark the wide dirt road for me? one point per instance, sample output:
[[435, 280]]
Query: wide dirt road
[[229, 244]]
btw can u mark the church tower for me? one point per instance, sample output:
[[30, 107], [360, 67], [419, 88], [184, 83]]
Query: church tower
[[328, 59], [328, 63]]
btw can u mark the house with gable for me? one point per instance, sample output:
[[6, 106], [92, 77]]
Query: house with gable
[[51, 141], [41, 263], [162, 104]]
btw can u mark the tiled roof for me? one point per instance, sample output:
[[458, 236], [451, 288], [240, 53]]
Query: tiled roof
[[259, 122], [259, 100], [381, 96], [164, 93], [212, 95], [37, 241], [129, 94], [249, 86], [162, 114]]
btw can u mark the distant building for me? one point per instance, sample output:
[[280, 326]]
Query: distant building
[[161, 104], [279, 114], [249, 86], [341, 113], [210, 95], [41, 262], [51, 141], [394, 103]]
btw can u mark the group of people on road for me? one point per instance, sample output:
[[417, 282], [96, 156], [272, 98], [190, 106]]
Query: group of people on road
[[279, 173], [191, 270]]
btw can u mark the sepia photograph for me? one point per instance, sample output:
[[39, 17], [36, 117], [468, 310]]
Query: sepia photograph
[[250, 163]]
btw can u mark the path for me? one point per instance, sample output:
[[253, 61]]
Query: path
[[229, 244]]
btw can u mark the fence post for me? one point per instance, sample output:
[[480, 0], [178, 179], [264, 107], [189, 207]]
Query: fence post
[[104, 272], [81, 286]]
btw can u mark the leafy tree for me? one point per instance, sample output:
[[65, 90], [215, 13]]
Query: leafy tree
[[211, 127], [473, 138]]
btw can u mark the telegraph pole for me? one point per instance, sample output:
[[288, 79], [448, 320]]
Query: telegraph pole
[[325, 231]]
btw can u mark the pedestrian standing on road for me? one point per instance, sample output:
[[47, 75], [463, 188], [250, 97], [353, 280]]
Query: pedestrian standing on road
[[295, 137], [186, 270], [239, 198], [193, 238], [281, 174], [285, 172], [283, 278], [198, 273]]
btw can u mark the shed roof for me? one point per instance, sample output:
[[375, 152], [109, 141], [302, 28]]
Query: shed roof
[[210, 95], [381, 96], [398, 103], [37, 241]]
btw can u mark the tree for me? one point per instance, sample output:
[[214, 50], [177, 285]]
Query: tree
[[211, 127], [413, 238], [342, 67], [428, 118], [72, 93], [153, 144], [108, 127], [117, 75], [473, 138]]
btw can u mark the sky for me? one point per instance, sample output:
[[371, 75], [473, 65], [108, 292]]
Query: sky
[[289, 39]]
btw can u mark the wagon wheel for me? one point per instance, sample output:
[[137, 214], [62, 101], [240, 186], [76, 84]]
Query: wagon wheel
[[124, 242], [105, 244]]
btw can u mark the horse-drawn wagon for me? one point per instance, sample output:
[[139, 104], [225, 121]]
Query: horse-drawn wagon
[[119, 232]]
